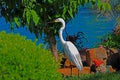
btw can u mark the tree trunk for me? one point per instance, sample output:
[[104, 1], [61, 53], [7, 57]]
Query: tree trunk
[[52, 42]]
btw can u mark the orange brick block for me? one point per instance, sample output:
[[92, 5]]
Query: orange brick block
[[67, 71]]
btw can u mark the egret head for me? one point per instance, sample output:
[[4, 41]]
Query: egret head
[[57, 20]]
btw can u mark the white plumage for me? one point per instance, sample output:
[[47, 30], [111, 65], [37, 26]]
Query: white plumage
[[69, 48]]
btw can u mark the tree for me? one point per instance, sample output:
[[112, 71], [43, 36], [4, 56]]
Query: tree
[[36, 13]]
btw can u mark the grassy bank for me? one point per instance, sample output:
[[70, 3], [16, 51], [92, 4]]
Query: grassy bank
[[97, 76]]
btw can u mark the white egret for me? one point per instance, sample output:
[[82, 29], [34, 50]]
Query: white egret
[[70, 50]]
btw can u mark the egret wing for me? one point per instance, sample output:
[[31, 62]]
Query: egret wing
[[73, 55]]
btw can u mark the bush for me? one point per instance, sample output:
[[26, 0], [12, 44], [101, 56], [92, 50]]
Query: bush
[[112, 41], [21, 59]]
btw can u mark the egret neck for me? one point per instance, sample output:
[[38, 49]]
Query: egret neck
[[61, 31]]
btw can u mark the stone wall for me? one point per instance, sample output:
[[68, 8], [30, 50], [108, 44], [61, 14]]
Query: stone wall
[[96, 53]]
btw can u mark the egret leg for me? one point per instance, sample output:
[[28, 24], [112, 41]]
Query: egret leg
[[78, 74], [70, 69]]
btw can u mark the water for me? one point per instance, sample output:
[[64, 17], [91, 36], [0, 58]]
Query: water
[[85, 21], [94, 28], [23, 31]]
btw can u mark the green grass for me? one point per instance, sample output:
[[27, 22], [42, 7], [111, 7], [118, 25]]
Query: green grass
[[97, 76]]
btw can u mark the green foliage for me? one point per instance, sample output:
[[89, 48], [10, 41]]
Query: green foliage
[[112, 41], [117, 7], [28, 14], [106, 6], [17, 21], [21, 59], [35, 17], [103, 5]]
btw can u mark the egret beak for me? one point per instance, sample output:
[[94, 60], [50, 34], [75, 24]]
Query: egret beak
[[53, 21]]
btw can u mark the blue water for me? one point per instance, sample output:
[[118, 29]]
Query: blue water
[[85, 21], [94, 28]]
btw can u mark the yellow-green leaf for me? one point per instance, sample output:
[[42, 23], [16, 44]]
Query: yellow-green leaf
[[104, 6], [35, 17], [86, 1], [70, 13], [99, 4], [17, 21], [109, 6], [28, 16]]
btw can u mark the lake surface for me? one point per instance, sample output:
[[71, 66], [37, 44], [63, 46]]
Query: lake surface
[[85, 21]]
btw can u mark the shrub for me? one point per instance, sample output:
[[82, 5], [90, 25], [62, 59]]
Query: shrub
[[21, 59], [112, 41]]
